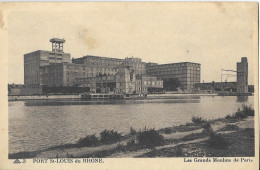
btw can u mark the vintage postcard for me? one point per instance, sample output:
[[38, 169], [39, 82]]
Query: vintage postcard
[[129, 85]]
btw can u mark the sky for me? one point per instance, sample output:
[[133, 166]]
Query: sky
[[216, 35]]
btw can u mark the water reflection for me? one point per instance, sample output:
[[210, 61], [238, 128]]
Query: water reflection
[[152, 99], [242, 99]]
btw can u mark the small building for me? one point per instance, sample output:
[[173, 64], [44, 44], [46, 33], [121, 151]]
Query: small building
[[214, 87], [22, 90]]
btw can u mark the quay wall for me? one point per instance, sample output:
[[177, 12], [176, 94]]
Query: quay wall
[[42, 97]]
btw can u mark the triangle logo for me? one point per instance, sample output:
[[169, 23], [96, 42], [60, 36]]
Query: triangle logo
[[17, 161]]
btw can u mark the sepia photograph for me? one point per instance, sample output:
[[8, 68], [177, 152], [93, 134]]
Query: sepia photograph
[[99, 80]]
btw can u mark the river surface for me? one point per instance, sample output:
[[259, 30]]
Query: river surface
[[36, 125]]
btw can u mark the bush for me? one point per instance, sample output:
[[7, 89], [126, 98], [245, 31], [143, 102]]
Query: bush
[[89, 140], [229, 127], [131, 143], [198, 120], [241, 114], [132, 131], [248, 110], [150, 138], [228, 117], [120, 147], [109, 136], [179, 151], [167, 130], [207, 128], [217, 141], [70, 155]]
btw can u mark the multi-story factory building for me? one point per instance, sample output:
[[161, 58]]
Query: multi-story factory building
[[186, 72], [242, 76], [62, 74], [99, 65], [109, 66], [136, 64], [125, 81], [34, 60]]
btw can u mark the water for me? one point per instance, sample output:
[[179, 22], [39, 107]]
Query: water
[[35, 125]]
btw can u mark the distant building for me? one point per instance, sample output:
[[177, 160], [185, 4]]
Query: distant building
[[106, 65], [242, 76], [136, 64], [214, 87], [125, 81], [62, 74], [21, 89], [186, 72], [99, 65], [34, 60]]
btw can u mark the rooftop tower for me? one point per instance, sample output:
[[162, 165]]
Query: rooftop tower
[[57, 45]]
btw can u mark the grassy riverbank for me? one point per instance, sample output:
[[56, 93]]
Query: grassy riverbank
[[229, 136]]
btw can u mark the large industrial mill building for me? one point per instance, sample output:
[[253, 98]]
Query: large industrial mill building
[[186, 72], [55, 68]]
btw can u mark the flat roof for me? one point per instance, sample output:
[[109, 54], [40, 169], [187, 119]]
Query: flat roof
[[92, 56], [45, 51], [174, 63], [57, 40]]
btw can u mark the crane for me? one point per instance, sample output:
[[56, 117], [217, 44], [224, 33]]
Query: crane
[[228, 75]]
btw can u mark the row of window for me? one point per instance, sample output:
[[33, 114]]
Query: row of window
[[31, 82], [174, 65], [77, 68], [174, 69], [140, 89], [153, 83], [176, 75], [33, 76]]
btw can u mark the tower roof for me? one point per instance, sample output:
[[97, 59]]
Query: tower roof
[[57, 40]]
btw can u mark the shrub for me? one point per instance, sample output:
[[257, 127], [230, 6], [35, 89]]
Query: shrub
[[179, 151], [167, 130], [70, 155], [229, 127], [198, 120], [132, 131], [217, 141], [228, 117], [109, 136], [241, 114], [248, 110], [207, 128], [120, 147], [131, 143], [150, 138], [89, 140]]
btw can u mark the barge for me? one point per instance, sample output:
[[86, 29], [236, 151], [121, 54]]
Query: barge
[[91, 96]]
